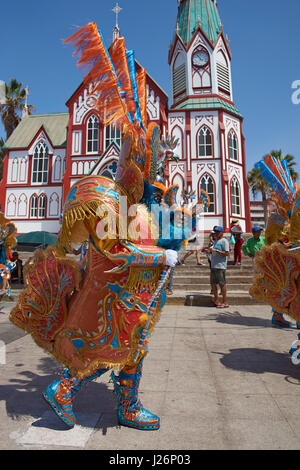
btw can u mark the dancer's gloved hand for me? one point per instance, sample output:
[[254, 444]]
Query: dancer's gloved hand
[[171, 258]]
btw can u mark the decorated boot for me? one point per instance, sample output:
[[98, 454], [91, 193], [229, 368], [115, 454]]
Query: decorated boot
[[279, 320], [60, 394], [129, 408]]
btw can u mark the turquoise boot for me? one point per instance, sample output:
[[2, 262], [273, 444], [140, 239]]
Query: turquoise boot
[[279, 320], [129, 408], [60, 394]]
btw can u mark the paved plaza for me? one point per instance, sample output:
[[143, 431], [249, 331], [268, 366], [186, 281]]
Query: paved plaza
[[219, 379]]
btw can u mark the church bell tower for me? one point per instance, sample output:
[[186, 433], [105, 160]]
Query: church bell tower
[[203, 115]]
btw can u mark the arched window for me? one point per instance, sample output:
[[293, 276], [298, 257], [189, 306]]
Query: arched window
[[38, 206], [233, 146], [15, 166], [57, 168], [33, 206], [40, 163], [110, 170], [74, 168], [23, 170], [11, 205], [80, 168], [54, 205], [92, 134], [235, 197], [208, 185], [112, 134], [42, 206], [177, 133], [22, 205], [205, 142]]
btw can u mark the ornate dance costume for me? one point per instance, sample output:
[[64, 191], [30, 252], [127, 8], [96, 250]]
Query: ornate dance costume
[[7, 242], [99, 319], [277, 278]]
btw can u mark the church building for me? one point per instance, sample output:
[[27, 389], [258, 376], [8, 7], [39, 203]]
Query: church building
[[47, 153]]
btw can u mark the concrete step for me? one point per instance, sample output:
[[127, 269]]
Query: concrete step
[[230, 265], [206, 271], [201, 280], [231, 287], [196, 299]]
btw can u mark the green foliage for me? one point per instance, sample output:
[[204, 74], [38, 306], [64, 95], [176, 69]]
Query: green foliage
[[2, 155], [11, 110]]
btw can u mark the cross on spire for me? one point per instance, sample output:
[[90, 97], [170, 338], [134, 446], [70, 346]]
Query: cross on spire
[[117, 9]]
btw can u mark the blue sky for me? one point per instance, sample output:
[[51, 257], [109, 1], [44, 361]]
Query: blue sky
[[264, 39]]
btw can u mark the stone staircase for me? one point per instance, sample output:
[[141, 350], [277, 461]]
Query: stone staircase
[[192, 283]]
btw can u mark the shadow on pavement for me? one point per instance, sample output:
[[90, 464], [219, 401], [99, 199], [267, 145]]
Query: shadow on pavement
[[235, 318], [23, 397], [260, 361]]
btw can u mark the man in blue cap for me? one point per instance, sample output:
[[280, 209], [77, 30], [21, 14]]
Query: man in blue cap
[[219, 255], [255, 243]]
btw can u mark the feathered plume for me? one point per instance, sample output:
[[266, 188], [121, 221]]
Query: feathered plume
[[279, 178], [284, 223], [115, 97], [118, 56]]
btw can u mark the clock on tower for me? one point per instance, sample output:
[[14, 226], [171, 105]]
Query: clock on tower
[[200, 58]]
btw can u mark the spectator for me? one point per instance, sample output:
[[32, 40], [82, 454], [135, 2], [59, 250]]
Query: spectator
[[219, 255], [17, 272], [238, 248], [170, 284], [211, 243], [254, 244], [193, 246]]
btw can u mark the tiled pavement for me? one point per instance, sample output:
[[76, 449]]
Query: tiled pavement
[[219, 379]]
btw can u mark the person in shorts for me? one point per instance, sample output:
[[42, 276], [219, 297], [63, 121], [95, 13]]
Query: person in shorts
[[193, 246], [219, 256]]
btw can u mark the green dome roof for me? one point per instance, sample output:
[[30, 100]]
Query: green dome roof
[[194, 13]]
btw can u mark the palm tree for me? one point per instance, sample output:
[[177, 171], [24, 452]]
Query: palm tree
[[259, 185], [290, 162], [15, 102], [2, 154]]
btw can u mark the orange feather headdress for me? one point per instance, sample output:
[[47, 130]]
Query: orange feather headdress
[[109, 74]]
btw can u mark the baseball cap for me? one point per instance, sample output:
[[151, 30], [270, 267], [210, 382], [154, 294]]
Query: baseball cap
[[218, 229], [257, 229]]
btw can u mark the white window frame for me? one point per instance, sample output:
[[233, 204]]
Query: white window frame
[[112, 134], [205, 131], [92, 135], [233, 146], [205, 178], [38, 206], [42, 206], [40, 164], [34, 215], [235, 197]]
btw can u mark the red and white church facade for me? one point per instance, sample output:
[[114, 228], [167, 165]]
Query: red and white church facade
[[47, 153]]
